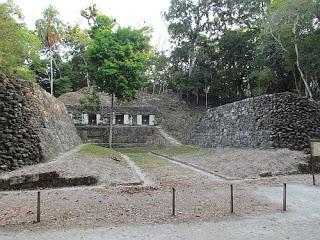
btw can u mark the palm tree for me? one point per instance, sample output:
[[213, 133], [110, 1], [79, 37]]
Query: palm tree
[[49, 29]]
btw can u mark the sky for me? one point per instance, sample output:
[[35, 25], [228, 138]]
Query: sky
[[136, 13]]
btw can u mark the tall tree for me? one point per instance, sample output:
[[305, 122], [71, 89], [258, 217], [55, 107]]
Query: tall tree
[[18, 46], [192, 24], [158, 70], [76, 41], [119, 58], [236, 53], [188, 21], [49, 29], [290, 23]]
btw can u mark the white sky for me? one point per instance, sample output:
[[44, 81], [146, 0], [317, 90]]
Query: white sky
[[136, 13]]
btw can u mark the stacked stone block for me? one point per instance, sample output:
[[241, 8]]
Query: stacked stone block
[[282, 120], [32, 125]]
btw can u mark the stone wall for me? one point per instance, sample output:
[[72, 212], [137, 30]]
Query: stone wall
[[123, 136], [34, 126], [44, 180], [282, 120]]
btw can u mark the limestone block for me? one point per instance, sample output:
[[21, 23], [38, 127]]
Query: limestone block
[[139, 120], [126, 120], [151, 120]]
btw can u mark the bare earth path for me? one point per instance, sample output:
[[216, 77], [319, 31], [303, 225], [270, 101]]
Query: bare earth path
[[302, 221]]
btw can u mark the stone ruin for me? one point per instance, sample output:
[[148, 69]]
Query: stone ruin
[[34, 126], [282, 120]]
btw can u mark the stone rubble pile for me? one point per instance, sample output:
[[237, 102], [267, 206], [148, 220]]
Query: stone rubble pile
[[282, 120]]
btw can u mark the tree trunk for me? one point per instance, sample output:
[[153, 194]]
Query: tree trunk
[[153, 87], [87, 72], [295, 81], [192, 57], [294, 30], [206, 100], [51, 72], [111, 122], [197, 98]]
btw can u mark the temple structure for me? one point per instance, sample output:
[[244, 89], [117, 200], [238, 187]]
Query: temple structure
[[132, 116], [136, 113], [134, 123]]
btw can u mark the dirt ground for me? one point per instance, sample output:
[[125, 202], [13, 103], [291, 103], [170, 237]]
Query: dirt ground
[[300, 221], [199, 198], [236, 163], [75, 164]]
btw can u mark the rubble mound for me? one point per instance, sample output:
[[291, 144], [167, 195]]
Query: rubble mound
[[34, 126], [282, 120]]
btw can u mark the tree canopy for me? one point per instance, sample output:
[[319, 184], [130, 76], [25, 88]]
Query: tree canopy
[[19, 47], [119, 58], [221, 51], [243, 48]]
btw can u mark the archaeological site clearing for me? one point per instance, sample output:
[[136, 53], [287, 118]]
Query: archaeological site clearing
[[163, 120], [251, 145]]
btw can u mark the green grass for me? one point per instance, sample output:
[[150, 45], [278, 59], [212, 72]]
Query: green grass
[[177, 150], [141, 156], [147, 160], [136, 150], [170, 151], [92, 149]]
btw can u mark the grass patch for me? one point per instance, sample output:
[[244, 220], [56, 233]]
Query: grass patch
[[136, 150], [96, 150], [147, 160], [141, 156], [177, 150]]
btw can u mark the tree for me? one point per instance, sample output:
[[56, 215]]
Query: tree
[[290, 23], [236, 53], [49, 29], [119, 58], [76, 41], [158, 71], [91, 103], [188, 21], [197, 28], [18, 46], [90, 13]]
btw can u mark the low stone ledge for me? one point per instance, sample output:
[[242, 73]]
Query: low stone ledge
[[44, 180]]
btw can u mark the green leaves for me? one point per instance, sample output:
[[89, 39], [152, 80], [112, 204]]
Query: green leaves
[[49, 28], [90, 103], [120, 59], [18, 46]]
